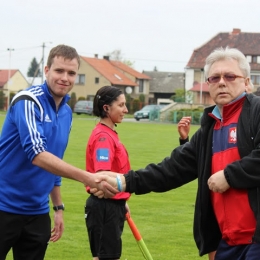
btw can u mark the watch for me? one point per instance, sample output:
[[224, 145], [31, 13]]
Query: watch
[[59, 207]]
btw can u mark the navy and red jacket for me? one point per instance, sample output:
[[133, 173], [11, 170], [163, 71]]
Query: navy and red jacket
[[174, 171], [235, 217]]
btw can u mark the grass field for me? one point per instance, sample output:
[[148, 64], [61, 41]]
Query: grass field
[[164, 219]]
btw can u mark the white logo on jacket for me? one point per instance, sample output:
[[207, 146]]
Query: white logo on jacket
[[232, 135], [47, 119]]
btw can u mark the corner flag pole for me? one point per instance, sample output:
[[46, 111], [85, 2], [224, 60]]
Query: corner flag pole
[[138, 238]]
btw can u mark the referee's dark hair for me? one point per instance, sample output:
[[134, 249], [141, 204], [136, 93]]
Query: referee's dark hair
[[105, 96]]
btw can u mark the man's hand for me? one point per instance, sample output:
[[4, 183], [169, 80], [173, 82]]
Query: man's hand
[[184, 127], [105, 186], [98, 193], [57, 231], [218, 183]]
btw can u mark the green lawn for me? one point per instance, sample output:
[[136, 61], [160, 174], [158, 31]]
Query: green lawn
[[164, 219]]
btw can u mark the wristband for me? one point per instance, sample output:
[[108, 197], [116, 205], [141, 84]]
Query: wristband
[[119, 182]]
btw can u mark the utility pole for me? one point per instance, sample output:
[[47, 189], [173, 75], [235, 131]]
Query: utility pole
[[43, 46], [9, 76]]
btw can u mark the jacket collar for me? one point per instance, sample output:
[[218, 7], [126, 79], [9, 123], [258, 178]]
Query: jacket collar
[[49, 96]]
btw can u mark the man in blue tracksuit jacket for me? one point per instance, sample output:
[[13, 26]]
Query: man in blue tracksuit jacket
[[25, 188], [32, 143]]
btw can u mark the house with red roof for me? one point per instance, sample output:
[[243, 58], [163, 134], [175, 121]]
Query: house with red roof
[[11, 82], [201, 94], [246, 42], [95, 73]]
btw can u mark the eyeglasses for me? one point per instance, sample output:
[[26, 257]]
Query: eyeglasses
[[226, 77]]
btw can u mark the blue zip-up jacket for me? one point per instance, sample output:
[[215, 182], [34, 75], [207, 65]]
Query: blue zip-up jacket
[[32, 126]]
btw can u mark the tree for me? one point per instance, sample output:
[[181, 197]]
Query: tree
[[117, 56], [179, 95], [34, 69], [189, 97]]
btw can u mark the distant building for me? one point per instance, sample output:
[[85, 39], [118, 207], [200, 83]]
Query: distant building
[[247, 43], [201, 94], [11, 81], [95, 73], [163, 85]]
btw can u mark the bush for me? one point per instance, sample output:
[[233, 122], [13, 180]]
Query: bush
[[12, 94], [136, 105], [128, 103], [2, 100], [81, 98], [195, 114], [72, 100], [142, 98]]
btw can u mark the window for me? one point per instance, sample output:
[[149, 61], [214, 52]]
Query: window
[[255, 79], [141, 85], [117, 76], [96, 80], [80, 80], [254, 59]]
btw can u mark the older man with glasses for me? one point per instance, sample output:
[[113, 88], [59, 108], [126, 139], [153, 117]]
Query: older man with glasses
[[224, 155]]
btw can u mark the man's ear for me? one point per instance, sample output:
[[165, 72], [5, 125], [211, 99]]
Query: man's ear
[[46, 70], [248, 85]]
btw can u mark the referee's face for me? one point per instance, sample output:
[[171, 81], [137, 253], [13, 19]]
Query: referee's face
[[118, 109]]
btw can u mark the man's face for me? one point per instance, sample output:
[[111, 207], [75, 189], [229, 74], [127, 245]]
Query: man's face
[[226, 91], [61, 76]]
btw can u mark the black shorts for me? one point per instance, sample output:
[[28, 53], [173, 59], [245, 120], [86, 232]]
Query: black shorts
[[27, 235], [105, 223]]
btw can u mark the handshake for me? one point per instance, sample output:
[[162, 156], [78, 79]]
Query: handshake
[[106, 184]]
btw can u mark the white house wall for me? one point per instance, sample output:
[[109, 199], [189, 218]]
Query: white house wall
[[189, 79]]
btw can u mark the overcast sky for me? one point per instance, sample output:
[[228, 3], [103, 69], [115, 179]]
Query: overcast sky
[[161, 33]]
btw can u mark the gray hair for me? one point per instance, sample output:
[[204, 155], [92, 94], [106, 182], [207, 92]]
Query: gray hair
[[225, 54]]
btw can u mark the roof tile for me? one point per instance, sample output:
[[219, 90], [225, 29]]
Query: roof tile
[[165, 82], [4, 74], [248, 43], [120, 65], [204, 86], [110, 72]]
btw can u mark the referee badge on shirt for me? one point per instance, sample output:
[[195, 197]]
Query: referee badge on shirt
[[232, 137], [102, 155]]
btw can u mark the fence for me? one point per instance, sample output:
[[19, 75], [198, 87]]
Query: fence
[[175, 116]]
